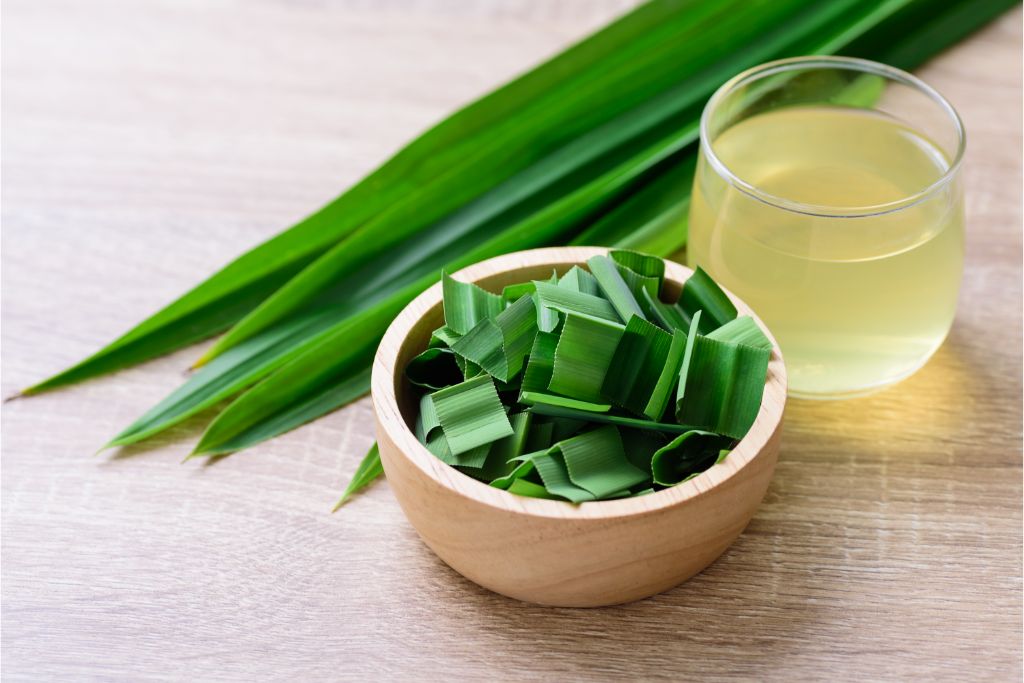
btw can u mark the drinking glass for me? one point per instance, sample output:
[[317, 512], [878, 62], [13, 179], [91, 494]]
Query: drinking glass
[[828, 196]]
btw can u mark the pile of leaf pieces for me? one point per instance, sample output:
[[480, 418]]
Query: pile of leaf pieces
[[588, 386]]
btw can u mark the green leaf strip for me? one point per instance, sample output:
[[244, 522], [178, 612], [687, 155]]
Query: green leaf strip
[[471, 414], [466, 304], [742, 330], [596, 462], [614, 287], [701, 293], [540, 363], [567, 301], [723, 386], [500, 345], [688, 454], [584, 353], [639, 362]]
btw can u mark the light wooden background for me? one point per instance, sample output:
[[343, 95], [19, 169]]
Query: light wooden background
[[146, 143]]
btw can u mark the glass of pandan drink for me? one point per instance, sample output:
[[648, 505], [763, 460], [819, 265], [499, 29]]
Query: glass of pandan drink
[[828, 196]]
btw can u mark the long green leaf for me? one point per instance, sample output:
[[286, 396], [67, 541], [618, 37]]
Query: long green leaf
[[244, 366], [557, 89], [663, 231], [227, 434], [653, 217], [664, 119], [826, 30], [258, 358], [369, 469]]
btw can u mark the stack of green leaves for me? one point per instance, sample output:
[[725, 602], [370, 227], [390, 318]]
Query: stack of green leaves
[[597, 146], [588, 386]]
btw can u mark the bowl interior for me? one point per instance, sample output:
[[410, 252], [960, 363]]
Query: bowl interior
[[410, 333]]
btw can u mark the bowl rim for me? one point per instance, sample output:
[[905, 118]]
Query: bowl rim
[[390, 421]]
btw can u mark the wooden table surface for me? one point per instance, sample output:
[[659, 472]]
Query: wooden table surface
[[145, 144]]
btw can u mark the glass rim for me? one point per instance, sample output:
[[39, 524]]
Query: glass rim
[[832, 62]]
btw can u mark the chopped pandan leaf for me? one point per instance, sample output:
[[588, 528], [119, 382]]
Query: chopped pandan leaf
[[369, 469], [534, 398], [555, 475], [540, 363], [742, 330], [670, 316], [641, 272], [468, 368], [443, 336], [723, 386], [568, 301], [638, 363], [500, 345], [587, 416], [426, 421], [540, 435], [437, 444], [684, 366], [499, 457], [466, 304], [640, 446], [523, 468], [579, 280], [701, 293], [523, 487], [661, 394], [471, 414], [596, 462], [583, 356], [434, 369], [642, 264], [614, 287], [563, 427], [687, 455], [513, 293], [547, 319]]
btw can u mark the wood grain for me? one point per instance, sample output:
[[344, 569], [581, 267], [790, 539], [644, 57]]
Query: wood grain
[[147, 143]]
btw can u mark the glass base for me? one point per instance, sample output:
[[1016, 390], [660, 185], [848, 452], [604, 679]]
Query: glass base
[[859, 392]]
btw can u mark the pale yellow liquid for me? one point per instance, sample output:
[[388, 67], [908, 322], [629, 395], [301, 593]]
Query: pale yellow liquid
[[856, 303]]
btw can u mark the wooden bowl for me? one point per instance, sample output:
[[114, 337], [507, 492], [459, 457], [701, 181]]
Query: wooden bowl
[[552, 552]]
